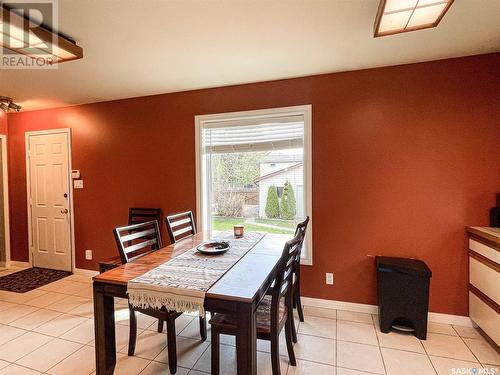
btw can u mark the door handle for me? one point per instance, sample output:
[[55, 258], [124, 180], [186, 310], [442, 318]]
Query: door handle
[[64, 211]]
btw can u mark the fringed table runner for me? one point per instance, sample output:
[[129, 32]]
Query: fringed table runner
[[181, 283]]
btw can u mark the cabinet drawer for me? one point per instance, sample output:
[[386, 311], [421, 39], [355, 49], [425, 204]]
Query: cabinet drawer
[[485, 317], [485, 278], [484, 250]]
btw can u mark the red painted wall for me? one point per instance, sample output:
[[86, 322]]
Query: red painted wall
[[404, 158], [3, 122]]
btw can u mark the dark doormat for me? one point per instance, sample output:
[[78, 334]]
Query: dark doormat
[[29, 279]]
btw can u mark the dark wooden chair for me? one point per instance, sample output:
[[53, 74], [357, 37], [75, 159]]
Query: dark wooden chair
[[180, 226], [274, 312], [297, 302], [137, 215], [300, 232], [134, 241]]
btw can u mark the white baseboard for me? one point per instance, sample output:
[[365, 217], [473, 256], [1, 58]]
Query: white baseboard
[[15, 263], [457, 320], [340, 305], [84, 272], [373, 309]]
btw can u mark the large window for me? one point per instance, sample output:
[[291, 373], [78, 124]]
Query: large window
[[254, 169]]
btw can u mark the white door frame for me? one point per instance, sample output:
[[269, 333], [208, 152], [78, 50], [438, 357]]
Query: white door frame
[[67, 131], [5, 180]]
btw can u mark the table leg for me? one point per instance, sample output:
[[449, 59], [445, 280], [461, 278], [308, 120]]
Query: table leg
[[246, 341], [104, 326]]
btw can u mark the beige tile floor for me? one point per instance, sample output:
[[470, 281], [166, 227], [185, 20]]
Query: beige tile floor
[[50, 331]]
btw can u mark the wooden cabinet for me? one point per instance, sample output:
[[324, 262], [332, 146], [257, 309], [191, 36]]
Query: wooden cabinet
[[484, 279]]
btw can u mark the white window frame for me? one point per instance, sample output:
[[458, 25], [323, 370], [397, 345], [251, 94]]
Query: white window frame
[[202, 216]]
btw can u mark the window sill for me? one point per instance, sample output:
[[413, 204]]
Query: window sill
[[306, 262]]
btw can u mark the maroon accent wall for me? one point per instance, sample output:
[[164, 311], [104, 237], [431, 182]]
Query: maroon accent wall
[[404, 158], [3, 122]]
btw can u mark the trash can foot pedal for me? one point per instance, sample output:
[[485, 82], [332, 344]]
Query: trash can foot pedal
[[397, 327]]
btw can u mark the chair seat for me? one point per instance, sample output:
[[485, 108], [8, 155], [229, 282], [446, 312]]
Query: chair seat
[[263, 316]]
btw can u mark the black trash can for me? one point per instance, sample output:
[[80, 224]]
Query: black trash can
[[403, 294]]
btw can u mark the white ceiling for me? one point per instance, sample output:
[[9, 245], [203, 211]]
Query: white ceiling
[[135, 48]]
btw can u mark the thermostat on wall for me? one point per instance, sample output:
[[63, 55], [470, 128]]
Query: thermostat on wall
[[75, 173]]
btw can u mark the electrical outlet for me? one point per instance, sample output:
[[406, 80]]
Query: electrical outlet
[[329, 278], [88, 254]]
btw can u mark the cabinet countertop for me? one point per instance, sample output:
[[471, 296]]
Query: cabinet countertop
[[488, 233]]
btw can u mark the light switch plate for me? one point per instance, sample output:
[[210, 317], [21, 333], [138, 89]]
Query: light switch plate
[[78, 184]]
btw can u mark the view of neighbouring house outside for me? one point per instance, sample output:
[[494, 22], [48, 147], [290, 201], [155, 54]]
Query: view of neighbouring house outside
[[262, 190]]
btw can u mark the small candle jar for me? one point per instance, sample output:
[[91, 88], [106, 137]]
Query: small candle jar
[[238, 231]]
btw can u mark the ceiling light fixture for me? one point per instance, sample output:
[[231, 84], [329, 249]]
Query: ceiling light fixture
[[7, 105], [401, 16], [28, 38]]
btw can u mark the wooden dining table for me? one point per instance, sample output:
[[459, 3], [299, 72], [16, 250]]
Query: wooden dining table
[[237, 292]]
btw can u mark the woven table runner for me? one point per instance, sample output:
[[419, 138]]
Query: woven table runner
[[181, 283]]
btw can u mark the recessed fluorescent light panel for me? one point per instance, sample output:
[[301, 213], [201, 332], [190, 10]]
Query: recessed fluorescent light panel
[[25, 37], [400, 16]]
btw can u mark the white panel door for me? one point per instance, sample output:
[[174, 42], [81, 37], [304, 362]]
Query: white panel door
[[49, 200]]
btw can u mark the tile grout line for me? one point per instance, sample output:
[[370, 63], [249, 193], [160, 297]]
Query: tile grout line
[[23, 366], [15, 362], [357, 370], [69, 355], [379, 347], [465, 343], [52, 338], [428, 356], [48, 321], [209, 347], [87, 344]]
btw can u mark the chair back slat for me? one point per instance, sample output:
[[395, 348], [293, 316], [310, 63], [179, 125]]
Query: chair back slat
[[180, 226], [135, 235], [284, 289], [179, 232], [138, 215], [180, 222], [136, 240], [288, 271], [141, 245]]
